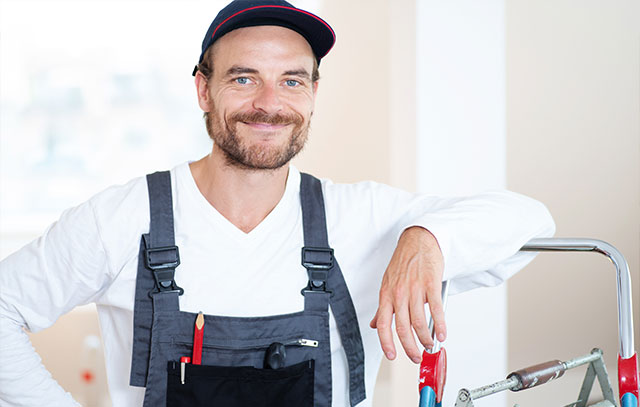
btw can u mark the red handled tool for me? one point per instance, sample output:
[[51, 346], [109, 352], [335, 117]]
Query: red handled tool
[[433, 375], [433, 369]]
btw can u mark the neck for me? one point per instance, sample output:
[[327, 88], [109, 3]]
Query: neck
[[243, 196]]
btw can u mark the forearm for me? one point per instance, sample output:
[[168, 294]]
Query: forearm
[[24, 381], [480, 236], [65, 267]]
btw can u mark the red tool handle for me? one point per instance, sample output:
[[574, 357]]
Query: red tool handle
[[628, 376], [433, 372]]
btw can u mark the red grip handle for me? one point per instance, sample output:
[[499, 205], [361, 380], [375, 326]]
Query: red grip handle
[[628, 375], [433, 372]]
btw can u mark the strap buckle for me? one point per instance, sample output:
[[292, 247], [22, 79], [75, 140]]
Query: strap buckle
[[162, 258], [162, 261], [317, 257], [318, 261], [165, 284]]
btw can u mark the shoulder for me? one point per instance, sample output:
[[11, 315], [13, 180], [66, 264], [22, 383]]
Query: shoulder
[[119, 201], [366, 206], [129, 198], [135, 187], [121, 215], [369, 195]]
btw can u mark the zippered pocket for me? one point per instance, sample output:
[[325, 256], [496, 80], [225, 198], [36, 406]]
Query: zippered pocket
[[311, 343], [265, 352]]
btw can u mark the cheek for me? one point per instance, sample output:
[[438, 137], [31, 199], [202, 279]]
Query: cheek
[[231, 99], [302, 103]]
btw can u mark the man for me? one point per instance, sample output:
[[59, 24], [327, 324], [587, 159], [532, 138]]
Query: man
[[240, 217]]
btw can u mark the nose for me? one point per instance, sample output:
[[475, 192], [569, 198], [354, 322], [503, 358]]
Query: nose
[[267, 99]]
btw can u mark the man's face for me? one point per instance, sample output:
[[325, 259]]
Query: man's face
[[260, 96]]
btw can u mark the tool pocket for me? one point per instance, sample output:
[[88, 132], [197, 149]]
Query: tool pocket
[[240, 386]]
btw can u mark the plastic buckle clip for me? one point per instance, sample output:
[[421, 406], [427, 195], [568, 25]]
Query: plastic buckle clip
[[318, 261], [317, 258], [163, 258], [162, 261], [165, 283]]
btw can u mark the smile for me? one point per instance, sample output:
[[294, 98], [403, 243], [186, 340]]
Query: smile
[[265, 126]]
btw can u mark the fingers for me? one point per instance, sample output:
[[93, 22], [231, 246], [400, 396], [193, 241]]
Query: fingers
[[410, 316], [434, 295], [418, 319], [382, 322], [405, 333], [413, 277]]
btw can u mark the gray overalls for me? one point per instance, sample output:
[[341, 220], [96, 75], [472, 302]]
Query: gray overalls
[[233, 373]]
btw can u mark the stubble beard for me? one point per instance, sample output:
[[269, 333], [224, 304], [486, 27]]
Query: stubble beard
[[242, 155]]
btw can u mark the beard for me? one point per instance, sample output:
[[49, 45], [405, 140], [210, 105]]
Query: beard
[[224, 133]]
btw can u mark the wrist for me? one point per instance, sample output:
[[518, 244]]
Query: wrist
[[424, 237]]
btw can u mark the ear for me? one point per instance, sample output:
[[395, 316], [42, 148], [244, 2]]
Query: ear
[[202, 87], [315, 88]]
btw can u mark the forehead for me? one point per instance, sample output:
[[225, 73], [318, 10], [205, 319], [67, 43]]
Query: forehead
[[262, 45]]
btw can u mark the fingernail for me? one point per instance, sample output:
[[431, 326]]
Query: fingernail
[[416, 360], [441, 337], [390, 355]]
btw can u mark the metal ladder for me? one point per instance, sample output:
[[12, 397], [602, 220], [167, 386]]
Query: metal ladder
[[433, 367]]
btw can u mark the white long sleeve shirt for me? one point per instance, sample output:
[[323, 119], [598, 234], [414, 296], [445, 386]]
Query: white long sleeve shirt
[[91, 254]]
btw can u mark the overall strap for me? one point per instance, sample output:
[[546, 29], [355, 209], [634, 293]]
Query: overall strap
[[161, 254], [155, 286], [325, 277]]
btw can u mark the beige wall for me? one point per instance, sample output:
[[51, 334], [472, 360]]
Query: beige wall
[[348, 140], [65, 352], [573, 142], [364, 124]]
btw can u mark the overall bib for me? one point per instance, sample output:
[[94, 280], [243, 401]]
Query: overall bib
[[233, 372]]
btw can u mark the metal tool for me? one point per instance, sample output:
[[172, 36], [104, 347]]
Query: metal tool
[[627, 358], [545, 372]]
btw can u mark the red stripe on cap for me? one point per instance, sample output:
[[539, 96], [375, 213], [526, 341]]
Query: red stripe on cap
[[284, 7]]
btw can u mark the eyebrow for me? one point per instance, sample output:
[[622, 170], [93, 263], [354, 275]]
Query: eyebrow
[[238, 70], [298, 72]]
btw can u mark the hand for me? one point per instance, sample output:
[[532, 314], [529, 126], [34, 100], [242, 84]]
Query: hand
[[413, 278]]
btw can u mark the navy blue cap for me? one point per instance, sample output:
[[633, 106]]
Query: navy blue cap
[[250, 13]]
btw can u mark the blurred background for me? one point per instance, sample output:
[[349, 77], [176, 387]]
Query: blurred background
[[453, 98]]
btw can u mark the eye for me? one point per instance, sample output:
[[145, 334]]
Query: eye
[[292, 83], [243, 80]]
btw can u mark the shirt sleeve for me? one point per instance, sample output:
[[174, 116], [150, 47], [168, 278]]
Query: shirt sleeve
[[65, 267], [480, 236]]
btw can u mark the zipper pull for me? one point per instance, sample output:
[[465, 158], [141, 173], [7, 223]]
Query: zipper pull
[[307, 342]]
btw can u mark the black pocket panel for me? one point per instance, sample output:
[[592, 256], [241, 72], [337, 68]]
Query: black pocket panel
[[214, 386]]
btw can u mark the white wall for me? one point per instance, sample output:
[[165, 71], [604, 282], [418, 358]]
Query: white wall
[[461, 150]]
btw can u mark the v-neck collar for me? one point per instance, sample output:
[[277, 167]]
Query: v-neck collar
[[277, 216]]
